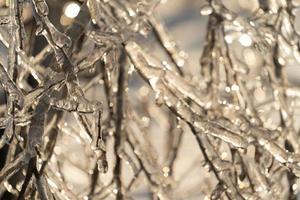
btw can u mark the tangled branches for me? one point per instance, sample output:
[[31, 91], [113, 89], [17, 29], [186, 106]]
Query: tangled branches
[[77, 106]]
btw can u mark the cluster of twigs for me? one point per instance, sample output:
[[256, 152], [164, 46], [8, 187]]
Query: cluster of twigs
[[100, 52]]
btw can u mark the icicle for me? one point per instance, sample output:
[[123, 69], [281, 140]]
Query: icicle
[[150, 69], [101, 38], [223, 134], [14, 93], [99, 146], [59, 39], [36, 129], [176, 54], [74, 106], [13, 167], [41, 7], [56, 39], [8, 133]]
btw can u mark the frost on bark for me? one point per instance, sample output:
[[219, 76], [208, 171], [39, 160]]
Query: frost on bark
[[84, 105]]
